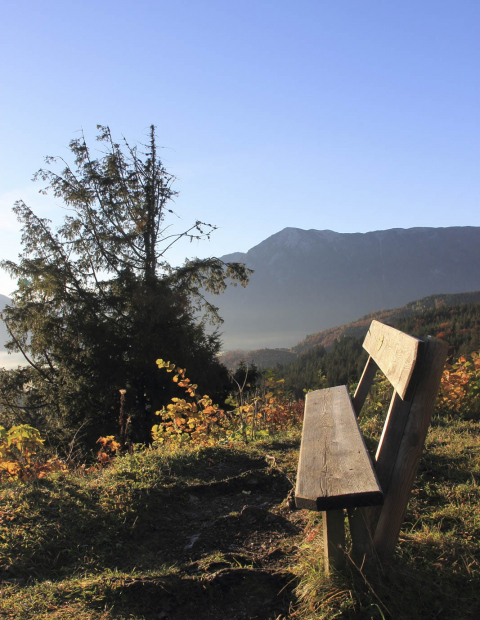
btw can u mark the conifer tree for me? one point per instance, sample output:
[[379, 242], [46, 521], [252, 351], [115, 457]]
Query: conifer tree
[[97, 301]]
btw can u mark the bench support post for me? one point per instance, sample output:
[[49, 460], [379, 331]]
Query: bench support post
[[361, 531], [364, 385], [410, 449], [334, 539]]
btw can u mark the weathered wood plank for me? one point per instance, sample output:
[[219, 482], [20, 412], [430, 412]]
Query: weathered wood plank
[[361, 531], [390, 440], [364, 385], [411, 448], [335, 470], [334, 539], [394, 352]]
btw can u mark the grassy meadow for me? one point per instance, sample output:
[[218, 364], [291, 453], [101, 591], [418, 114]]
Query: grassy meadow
[[209, 531]]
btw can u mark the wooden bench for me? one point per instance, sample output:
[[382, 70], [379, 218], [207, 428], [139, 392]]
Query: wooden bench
[[335, 471]]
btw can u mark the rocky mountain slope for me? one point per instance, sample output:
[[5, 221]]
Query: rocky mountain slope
[[307, 281]]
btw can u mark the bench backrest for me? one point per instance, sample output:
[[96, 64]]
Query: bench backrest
[[414, 368], [395, 353]]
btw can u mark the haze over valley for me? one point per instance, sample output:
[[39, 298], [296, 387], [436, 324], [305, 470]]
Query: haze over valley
[[306, 281], [7, 360]]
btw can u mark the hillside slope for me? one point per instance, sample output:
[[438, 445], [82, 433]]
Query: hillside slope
[[407, 318], [359, 327], [311, 280]]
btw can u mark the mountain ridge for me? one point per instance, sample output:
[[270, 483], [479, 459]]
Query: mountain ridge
[[306, 281]]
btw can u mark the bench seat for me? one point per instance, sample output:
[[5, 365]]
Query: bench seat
[[335, 470]]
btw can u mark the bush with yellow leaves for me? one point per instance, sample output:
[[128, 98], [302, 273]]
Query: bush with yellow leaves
[[197, 419]]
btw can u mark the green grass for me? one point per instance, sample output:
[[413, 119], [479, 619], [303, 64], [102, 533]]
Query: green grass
[[436, 569], [111, 545]]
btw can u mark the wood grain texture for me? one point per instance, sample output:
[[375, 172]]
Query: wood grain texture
[[335, 470], [394, 352], [410, 449], [390, 440], [334, 539], [364, 385], [361, 532]]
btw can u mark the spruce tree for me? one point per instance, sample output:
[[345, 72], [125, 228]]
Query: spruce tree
[[98, 302]]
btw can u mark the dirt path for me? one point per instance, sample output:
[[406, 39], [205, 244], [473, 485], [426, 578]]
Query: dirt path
[[232, 538]]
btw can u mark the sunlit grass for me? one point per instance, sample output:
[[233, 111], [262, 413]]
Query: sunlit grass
[[436, 568]]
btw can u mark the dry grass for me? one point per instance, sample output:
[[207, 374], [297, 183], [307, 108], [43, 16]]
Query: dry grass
[[112, 545], [436, 569]]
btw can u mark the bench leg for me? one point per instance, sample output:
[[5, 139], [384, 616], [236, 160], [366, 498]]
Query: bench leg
[[334, 539], [361, 529]]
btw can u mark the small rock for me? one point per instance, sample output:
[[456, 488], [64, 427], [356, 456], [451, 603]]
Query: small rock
[[251, 514], [192, 541]]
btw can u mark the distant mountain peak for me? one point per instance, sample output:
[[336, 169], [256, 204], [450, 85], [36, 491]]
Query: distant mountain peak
[[306, 281]]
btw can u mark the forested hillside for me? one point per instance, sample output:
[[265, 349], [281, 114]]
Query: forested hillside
[[318, 367], [392, 317], [458, 325], [335, 356]]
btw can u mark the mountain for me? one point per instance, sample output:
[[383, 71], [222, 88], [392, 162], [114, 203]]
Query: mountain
[[307, 281]]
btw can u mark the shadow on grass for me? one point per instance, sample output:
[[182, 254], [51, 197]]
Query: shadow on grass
[[423, 582], [143, 511], [229, 593]]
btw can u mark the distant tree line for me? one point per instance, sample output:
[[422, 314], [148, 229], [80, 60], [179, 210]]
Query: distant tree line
[[458, 325], [319, 368]]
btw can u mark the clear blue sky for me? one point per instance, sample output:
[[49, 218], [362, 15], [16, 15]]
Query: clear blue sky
[[349, 115]]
